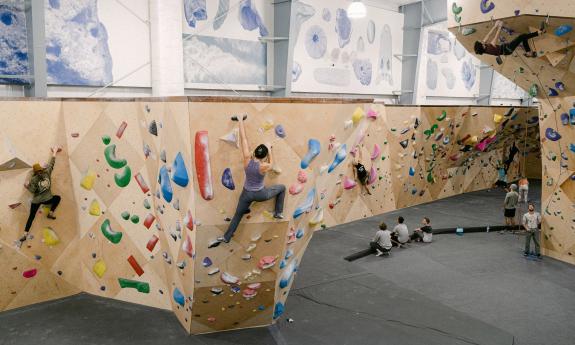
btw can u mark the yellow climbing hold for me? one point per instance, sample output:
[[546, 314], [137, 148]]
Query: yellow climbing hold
[[268, 215], [318, 218], [88, 180], [358, 114], [497, 118], [94, 209], [50, 237], [266, 126], [99, 268]]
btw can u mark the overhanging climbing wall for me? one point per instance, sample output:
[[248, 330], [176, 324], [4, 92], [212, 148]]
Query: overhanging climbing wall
[[551, 78], [147, 184]]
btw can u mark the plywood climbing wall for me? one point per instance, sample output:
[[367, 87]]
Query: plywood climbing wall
[[551, 78], [148, 184]]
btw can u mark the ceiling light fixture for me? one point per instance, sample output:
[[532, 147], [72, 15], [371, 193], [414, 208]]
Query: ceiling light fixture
[[356, 10]]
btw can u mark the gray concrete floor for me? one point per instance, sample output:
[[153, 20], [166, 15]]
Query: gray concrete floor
[[470, 289]]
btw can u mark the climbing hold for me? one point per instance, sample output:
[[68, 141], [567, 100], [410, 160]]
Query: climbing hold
[[456, 9], [227, 179], [317, 218], [112, 236], [135, 265], [552, 135], [203, 169], [565, 119], [560, 86], [347, 124], [153, 128], [563, 29], [113, 161], [280, 131], [179, 171], [299, 233], [486, 6], [267, 125], [295, 188], [99, 268], [146, 204], [179, 297], [442, 116], [358, 114], [266, 262], [163, 156], [339, 157], [249, 293], [187, 246], [88, 180], [142, 287], [135, 219], [313, 150], [497, 118], [227, 278], [348, 183], [372, 175], [552, 92], [376, 152], [123, 179], [50, 237], [404, 143], [372, 114], [411, 171], [278, 310], [302, 176], [232, 138], [142, 183], [571, 116], [149, 220], [306, 205], [207, 262], [94, 208], [125, 215], [533, 90], [106, 139], [467, 31], [287, 274], [152, 243], [165, 185], [121, 129], [446, 140], [29, 273]]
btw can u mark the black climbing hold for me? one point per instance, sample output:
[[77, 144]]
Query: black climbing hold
[[153, 128]]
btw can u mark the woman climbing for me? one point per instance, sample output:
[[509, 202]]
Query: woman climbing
[[256, 166], [492, 48], [359, 171], [40, 186]]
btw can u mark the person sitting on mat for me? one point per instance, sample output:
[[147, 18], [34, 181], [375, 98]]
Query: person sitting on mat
[[359, 171], [400, 234], [425, 233], [381, 243], [509, 205], [40, 186], [256, 166], [492, 48]]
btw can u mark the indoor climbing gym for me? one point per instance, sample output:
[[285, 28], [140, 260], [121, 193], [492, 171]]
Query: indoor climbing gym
[[287, 172]]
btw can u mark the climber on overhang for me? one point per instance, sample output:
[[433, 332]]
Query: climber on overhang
[[256, 165], [40, 186], [492, 48]]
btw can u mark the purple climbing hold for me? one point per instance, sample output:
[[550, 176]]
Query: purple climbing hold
[[560, 86], [486, 6], [227, 179], [280, 131], [565, 119], [552, 134], [517, 12], [207, 262], [553, 92]]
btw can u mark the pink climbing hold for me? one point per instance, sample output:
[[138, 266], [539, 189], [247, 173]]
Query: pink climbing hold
[[266, 262], [302, 176], [372, 176], [187, 246], [295, 188], [30, 273], [376, 152], [121, 129], [372, 114], [348, 183]]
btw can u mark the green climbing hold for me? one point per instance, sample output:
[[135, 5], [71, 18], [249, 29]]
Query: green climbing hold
[[393, 129], [123, 179], [382, 158], [533, 90], [147, 204], [142, 287], [457, 18], [430, 178], [125, 215], [135, 219], [456, 9], [442, 116], [112, 236], [113, 161], [467, 31], [106, 139]]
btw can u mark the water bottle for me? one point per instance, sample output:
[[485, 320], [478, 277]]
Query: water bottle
[[487, 228]]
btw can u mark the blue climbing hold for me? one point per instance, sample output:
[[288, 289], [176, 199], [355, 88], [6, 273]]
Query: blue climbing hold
[[165, 185], [283, 264], [227, 179], [306, 205], [339, 157], [207, 262], [563, 29], [572, 148], [180, 173], [552, 92], [280, 131], [278, 310], [560, 86], [299, 233], [572, 115], [565, 119], [313, 150], [179, 297], [552, 134], [411, 171]]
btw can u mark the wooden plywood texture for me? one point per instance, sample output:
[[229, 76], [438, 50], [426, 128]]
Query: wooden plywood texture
[[551, 77], [137, 216]]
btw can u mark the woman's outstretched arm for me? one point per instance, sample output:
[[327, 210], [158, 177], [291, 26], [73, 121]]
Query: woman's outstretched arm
[[244, 142]]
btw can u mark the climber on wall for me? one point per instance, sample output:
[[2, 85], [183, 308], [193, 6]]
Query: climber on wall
[[492, 48], [256, 165], [512, 152], [359, 171], [40, 186]]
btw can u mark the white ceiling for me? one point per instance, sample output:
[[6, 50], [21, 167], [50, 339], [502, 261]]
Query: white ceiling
[[389, 4]]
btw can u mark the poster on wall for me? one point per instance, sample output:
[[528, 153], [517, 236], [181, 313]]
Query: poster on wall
[[87, 43], [13, 41], [445, 68], [221, 43], [336, 54], [503, 88]]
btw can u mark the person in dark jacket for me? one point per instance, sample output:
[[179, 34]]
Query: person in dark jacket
[[40, 185], [492, 48]]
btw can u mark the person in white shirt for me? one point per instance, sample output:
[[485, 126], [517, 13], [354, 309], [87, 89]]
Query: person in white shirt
[[400, 234], [531, 221], [425, 233], [381, 243]]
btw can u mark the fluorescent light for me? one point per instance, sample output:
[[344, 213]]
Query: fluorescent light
[[356, 10]]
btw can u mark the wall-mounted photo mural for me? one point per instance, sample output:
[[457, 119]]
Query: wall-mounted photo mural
[[13, 41]]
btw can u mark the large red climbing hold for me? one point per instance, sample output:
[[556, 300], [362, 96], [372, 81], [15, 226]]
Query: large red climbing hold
[[30, 273], [203, 170]]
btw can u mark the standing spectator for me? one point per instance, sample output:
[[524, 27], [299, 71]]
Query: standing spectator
[[523, 189], [381, 243], [400, 234], [509, 205], [425, 233], [531, 221]]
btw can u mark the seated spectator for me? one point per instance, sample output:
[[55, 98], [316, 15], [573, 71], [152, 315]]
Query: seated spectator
[[381, 243], [425, 233], [400, 234]]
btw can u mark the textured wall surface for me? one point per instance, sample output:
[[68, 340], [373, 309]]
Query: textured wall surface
[[551, 78], [142, 191]]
